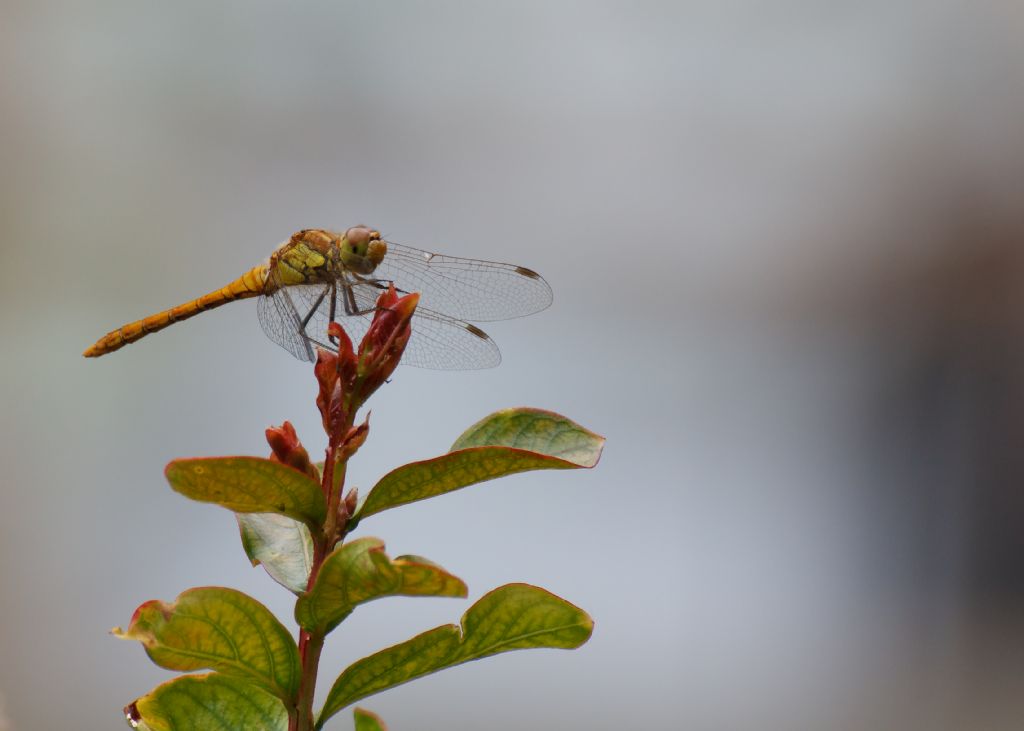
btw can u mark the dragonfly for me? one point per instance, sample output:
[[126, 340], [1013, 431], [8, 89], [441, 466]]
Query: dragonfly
[[319, 276]]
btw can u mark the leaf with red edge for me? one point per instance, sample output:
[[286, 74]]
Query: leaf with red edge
[[219, 629], [360, 571], [368, 721], [249, 485], [210, 702], [504, 443], [512, 617], [535, 430]]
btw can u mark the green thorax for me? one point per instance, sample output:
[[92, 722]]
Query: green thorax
[[308, 258]]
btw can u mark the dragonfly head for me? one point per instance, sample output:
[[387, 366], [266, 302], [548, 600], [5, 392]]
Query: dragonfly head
[[362, 249]]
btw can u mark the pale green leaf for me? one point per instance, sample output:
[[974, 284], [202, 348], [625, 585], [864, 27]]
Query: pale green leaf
[[283, 545]]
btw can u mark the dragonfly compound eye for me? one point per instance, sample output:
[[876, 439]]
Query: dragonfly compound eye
[[362, 250], [357, 238]]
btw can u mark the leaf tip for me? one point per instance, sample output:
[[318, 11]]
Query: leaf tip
[[368, 720], [132, 715]]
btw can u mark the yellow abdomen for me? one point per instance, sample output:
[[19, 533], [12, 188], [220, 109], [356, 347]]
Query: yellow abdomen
[[250, 284]]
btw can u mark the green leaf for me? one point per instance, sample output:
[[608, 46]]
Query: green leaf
[[249, 485], [506, 442], [220, 629], [209, 702], [360, 571], [367, 721], [284, 547], [512, 617], [535, 430]]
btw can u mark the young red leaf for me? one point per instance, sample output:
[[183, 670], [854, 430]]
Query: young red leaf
[[384, 342], [287, 449], [348, 378]]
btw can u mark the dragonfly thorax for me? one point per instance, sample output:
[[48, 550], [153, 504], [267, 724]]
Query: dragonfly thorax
[[319, 256]]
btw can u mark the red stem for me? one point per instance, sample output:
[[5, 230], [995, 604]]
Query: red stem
[[333, 532]]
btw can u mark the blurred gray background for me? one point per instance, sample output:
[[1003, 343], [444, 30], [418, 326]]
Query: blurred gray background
[[787, 246]]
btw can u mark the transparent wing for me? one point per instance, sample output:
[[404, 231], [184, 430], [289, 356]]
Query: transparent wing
[[437, 341], [468, 289], [281, 321], [444, 343]]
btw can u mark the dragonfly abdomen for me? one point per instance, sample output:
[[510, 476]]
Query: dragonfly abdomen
[[250, 284]]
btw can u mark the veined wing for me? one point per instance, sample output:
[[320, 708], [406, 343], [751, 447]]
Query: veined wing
[[438, 341], [444, 343], [296, 318], [468, 289], [281, 321]]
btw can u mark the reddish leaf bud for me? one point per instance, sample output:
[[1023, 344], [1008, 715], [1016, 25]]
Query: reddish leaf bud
[[331, 397], [346, 363], [354, 439], [385, 340], [351, 501], [286, 449], [347, 379]]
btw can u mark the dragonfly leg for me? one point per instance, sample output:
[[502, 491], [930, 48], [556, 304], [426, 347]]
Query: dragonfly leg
[[312, 311], [383, 284], [305, 321], [379, 284], [351, 308], [348, 297], [333, 310]]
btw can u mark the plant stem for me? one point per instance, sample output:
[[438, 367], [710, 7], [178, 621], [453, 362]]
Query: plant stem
[[334, 526], [311, 645]]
